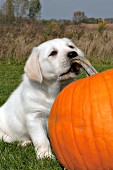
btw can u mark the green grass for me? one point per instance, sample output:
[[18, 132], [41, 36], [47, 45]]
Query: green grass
[[10, 77], [13, 156]]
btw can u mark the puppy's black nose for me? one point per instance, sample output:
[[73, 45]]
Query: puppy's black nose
[[72, 54]]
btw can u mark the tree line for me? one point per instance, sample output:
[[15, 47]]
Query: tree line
[[12, 10], [80, 17]]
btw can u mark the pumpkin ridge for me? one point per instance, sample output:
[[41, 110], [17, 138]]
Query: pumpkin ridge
[[92, 126], [62, 99], [102, 123], [109, 93], [111, 105], [58, 144], [73, 128], [85, 124]]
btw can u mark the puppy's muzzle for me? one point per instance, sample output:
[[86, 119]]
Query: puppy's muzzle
[[72, 54], [75, 67]]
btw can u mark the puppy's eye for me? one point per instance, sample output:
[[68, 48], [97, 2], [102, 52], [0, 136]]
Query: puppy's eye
[[53, 53], [70, 46]]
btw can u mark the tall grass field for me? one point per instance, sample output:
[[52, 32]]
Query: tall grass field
[[16, 44]]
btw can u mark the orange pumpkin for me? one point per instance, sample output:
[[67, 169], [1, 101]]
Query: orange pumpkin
[[81, 123]]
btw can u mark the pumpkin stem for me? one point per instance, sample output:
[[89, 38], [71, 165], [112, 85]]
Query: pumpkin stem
[[86, 65]]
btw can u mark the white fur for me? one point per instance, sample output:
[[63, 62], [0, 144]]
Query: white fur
[[24, 116]]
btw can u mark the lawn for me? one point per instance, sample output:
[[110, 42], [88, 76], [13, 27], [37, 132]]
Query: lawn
[[13, 156]]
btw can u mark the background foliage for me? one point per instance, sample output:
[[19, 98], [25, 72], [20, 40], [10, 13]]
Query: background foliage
[[18, 39]]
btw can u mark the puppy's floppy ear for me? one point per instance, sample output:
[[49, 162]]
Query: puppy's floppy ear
[[32, 67]]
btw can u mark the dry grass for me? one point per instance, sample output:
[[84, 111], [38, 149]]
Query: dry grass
[[17, 40]]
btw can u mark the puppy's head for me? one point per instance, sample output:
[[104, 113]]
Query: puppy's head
[[52, 61]]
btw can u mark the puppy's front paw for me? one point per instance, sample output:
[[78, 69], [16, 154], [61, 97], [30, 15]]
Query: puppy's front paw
[[44, 152], [25, 143]]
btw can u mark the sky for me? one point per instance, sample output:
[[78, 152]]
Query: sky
[[64, 9]]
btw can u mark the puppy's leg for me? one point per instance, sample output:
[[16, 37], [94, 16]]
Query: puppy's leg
[[38, 132], [5, 137]]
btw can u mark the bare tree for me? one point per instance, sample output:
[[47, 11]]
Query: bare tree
[[79, 16], [21, 8], [34, 9], [8, 10], [24, 7]]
